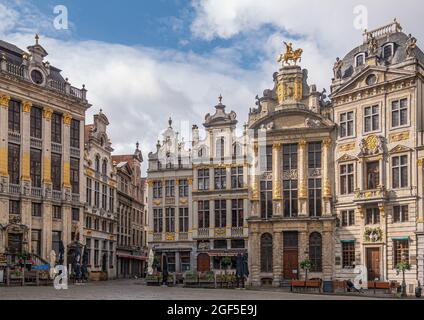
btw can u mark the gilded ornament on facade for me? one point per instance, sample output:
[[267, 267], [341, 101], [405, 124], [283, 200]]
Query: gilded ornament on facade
[[26, 107], [281, 92], [298, 90], [396, 137], [4, 100], [170, 237], [347, 147], [67, 119], [373, 235], [221, 232], [420, 162], [327, 142], [290, 55], [47, 113]]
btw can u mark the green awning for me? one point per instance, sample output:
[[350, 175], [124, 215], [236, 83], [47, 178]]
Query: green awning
[[347, 241], [400, 239]]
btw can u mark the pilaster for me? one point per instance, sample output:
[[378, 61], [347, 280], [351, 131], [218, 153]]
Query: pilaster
[[303, 179], [327, 189]]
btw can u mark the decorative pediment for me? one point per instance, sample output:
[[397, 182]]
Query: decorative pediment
[[400, 149], [347, 158], [359, 80]]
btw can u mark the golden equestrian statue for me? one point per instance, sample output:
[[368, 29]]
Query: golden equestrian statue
[[290, 55]]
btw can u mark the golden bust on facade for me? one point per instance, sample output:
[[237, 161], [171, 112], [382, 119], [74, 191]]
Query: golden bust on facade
[[290, 55]]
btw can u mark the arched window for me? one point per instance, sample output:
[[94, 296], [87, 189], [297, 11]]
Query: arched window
[[202, 152], [360, 59], [220, 148], [97, 163], [266, 253], [315, 251], [104, 167]]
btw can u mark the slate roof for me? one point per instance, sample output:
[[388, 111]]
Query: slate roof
[[399, 39]]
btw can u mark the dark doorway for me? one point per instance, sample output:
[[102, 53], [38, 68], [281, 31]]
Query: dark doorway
[[290, 255], [203, 262], [15, 243], [373, 264]]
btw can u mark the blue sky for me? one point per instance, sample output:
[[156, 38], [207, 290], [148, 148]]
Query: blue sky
[[146, 61]]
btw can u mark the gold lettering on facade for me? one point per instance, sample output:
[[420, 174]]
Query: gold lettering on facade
[[347, 147], [396, 137]]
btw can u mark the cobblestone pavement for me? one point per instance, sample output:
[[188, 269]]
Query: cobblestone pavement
[[135, 290]]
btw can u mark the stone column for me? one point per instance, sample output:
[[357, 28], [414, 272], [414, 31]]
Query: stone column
[[420, 182], [229, 218], [4, 172], [254, 180], [254, 259], [276, 178], [328, 251], [326, 163], [277, 258], [47, 231], [67, 118], [47, 145], [25, 165], [303, 179], [383, 223]]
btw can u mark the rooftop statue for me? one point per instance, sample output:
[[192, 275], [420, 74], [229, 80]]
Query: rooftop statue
[[290, 55]]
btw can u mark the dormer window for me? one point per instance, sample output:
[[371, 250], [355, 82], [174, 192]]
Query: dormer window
[[360, 59], [202, 152], [388, 51]]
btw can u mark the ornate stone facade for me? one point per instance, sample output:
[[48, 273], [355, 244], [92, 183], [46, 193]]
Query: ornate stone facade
[[41, 154], [100, 214], [170, 186], [291, 180], [377, 102]]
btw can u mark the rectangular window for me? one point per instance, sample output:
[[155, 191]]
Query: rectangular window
[[170, 188], [266, 158], [315, 204], [401, 252], [56, 171], [290, 198], [220, 213], [203, 214], [89, 191], [400, 214], [348, 254], [237, 178], [183, 220], [36, 123], [88, 246], [14, 207], [183, 188], [75, 214], [170, 219], [36, 210], [220, 179], [14, 163], [157, 190], [347, 124], [373, 216], [75, 176], [36, 242], [171, 261], [400, 172], [185, 261], [314, 155], [289, 157], [237, 210], [348, 218], [96, 194], [111, 199], [371, 119], [266, 199], [347, 179], [56, 124], [35, 168], [104, 197], [57, 212], [373, 175], [88, 222], [56, 238], [75, 134], [96, 253], [399, 113], [14, 116], [203, 179]]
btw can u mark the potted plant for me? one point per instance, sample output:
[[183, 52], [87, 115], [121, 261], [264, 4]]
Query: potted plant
[[190, 279], [402, 267], [153, 279], [306, 265], [226, 263]]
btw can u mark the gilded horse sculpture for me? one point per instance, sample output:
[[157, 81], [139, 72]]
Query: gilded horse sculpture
[[290, 55]]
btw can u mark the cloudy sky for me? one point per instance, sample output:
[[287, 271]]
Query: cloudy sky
[[144, 61]]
